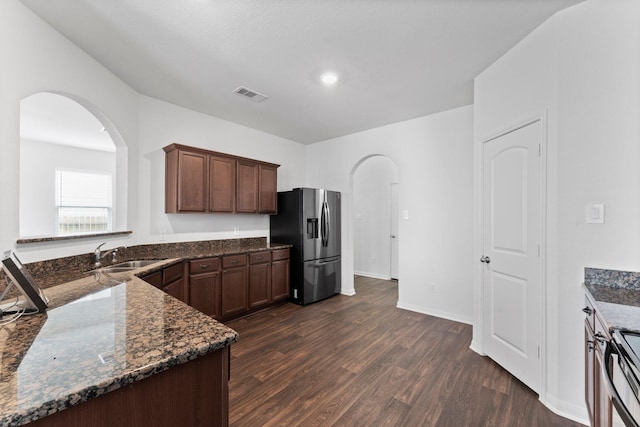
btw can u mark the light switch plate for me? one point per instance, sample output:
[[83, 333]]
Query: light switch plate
[[595, 214]]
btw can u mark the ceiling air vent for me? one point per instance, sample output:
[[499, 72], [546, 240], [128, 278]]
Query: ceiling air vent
[[250, 94]]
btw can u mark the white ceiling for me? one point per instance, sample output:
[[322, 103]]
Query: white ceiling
[[397, 59]]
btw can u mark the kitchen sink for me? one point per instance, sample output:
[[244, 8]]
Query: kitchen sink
[[127, 266], [134, 264]]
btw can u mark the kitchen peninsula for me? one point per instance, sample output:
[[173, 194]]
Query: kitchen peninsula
[[114, 350]]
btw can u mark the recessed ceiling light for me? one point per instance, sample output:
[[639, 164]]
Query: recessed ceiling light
[[329, 78]]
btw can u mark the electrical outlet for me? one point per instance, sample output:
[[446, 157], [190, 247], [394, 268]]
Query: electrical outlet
[[236, 231], [433, 288]]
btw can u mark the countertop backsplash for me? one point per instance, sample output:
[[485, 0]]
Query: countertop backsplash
[[54, 272]]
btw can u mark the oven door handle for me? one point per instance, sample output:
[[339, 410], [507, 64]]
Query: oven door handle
[[622, 410]]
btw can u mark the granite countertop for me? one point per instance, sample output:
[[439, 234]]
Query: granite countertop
[[54, 272], [100, 333], [617, 297]]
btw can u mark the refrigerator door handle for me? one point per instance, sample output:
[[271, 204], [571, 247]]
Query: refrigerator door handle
[[325, 224], [323, 263]]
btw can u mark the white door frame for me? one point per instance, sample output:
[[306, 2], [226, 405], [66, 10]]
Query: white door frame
[[394, 267], [477, 343]]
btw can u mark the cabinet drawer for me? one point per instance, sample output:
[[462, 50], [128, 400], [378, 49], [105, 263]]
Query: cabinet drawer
[[279, 254], [259, 257], [234, 260], [203, 265], [171, 274]]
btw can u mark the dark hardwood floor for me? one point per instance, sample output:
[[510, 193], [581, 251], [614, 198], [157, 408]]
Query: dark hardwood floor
[[359, 361]]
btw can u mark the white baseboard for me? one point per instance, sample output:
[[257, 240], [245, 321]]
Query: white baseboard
[[436, 313], [577, 413], [474, 347], [371, 275], [348, 292]]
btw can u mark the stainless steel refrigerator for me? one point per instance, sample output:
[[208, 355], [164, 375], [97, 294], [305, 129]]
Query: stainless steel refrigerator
[[309, 219]]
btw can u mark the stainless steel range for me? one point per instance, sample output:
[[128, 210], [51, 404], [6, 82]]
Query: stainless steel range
[[622, 369]]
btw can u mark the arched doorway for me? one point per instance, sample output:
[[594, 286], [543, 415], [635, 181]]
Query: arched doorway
[[73, 168], [374, 185]]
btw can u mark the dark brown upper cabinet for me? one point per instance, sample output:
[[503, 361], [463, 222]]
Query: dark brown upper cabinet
[[247, 190], [198, 180], [268, 189], [222, 184]]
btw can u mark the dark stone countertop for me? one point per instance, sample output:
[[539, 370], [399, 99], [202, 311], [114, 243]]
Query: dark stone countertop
[[54, 272], [104, 331], [99, 334], [617, 297]]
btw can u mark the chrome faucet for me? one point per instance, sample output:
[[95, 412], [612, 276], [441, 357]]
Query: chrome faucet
[[98, 252]]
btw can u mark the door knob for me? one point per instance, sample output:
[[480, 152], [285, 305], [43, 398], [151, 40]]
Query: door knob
[[393, 236], [485, 259]]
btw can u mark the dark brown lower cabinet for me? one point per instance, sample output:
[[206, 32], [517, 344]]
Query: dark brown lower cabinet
[[194, 393], [171, 280], [259, 279], [205, 293], [204, 286], [279, 280], [280, 275], [230, 286], [234, 285], [597, 399]]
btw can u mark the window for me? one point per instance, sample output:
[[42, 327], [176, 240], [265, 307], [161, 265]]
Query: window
[[83, 202]]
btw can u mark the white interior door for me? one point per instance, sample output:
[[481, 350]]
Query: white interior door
[[394, 230], [511, 251]]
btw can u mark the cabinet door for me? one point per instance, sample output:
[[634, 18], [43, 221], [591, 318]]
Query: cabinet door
[[204, 293], [280, 280], [602, 403], [259, 284], [222, 184], [154, 279], [234, 291], [192, 182], [176, 289], [268, 185], [589, 372], [247, 187]]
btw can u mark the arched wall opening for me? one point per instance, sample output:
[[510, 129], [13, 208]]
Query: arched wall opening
[[63, 135], [374, 207]]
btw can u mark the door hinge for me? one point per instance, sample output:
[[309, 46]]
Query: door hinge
[[538, 352], [539, 149], [538, 251]]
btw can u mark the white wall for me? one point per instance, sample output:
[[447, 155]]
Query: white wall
[[434, 159], [38, 164], [162, 124], [372, 216], [598, 158], [36, 58], [581, 68]]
